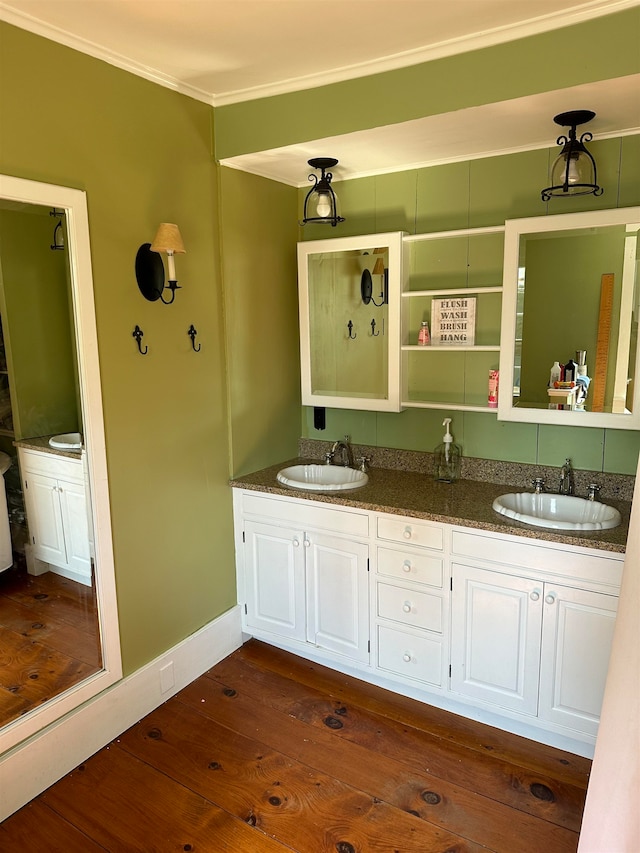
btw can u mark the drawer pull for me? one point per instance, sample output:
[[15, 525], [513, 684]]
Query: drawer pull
[[406, 607], [407, 533], [535, 595], [406, 657], [406, 566]]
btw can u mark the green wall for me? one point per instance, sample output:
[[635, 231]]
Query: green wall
[[259, 233], [478, 193], [143, 154], [36, 322]]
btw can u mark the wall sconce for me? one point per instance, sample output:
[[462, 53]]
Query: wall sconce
[[149, 267], [58, 231], [366, 282], [574, 170], [321, 203]]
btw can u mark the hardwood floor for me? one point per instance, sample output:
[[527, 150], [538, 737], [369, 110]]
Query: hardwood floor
[[49, 638], [268, 752]]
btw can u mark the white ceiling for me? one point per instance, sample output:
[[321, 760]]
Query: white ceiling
[[225, 51]]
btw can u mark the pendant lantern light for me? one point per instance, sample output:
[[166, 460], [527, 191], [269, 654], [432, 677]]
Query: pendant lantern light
[[321, 203], [574, 170]]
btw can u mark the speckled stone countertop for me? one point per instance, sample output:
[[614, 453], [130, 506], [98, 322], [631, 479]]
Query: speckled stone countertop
[[415, 494], [42, 444]]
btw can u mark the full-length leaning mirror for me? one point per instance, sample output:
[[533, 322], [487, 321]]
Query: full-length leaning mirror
[[569, 335], [48, 333]]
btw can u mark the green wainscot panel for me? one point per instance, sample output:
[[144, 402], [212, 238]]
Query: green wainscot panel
[[449, 377], [584, 446]]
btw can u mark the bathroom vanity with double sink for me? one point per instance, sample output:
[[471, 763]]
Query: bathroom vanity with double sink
[[422, 588]]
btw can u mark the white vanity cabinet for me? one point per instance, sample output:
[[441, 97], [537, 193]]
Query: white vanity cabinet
[[411, 602], [527, 642], [56, 505], [305, 573]]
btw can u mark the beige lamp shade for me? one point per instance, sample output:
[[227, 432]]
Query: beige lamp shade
[[168, 239]]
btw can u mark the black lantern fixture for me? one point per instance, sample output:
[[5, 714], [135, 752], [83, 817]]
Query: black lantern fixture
[[321, 204], [574, 170]]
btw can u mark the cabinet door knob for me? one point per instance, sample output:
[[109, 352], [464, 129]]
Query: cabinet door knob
[[296, 542], [550, 599], [406, 607], [535, 595], [406, 566], [306, 543], [406, 657], [407, 533]]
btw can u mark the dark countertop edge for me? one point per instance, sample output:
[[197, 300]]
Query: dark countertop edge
[[476, 514], [41, 444]]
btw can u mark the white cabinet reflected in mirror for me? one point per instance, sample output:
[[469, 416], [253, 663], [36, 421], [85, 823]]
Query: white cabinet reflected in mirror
[[349, 295], [50, 383], [571, 296]]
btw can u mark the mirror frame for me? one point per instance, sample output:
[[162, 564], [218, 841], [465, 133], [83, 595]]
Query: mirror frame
[[514, 230], [74, 203]]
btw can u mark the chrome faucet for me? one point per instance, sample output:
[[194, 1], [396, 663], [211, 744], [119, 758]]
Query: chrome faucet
[[567, 482], [345, 449]]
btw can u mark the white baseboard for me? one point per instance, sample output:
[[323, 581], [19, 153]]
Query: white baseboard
[[33, 766]]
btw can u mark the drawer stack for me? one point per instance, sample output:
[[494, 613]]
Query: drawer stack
[[411, 599]]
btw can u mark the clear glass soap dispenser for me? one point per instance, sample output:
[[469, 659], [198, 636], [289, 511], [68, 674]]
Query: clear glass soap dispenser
[[446, 457]]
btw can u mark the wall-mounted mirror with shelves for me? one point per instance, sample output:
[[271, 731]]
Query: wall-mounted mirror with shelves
[[570, 294], [349, 296]]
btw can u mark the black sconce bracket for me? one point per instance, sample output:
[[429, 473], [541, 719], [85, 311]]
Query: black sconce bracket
[[150, 275]]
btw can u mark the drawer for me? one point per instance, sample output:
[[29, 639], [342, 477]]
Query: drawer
[[51, 465], [567, 563], [306, 514], [410, 531], [409, 655], [419, 609], [411, 565]]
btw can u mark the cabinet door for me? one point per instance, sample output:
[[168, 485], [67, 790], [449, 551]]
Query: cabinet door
[[338, 595], [495, 638], [275, 582], [45, 519], [576, 642], [73, 506]]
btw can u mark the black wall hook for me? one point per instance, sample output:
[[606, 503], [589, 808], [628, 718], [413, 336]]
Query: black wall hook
[[350, 327], [373, 329], [137, 334], [192, 334]]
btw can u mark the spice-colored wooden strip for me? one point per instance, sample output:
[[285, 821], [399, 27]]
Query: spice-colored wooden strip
[[537, 757], [125, 805], [187, 745], [36, 827], [490, 778], [306, 809]]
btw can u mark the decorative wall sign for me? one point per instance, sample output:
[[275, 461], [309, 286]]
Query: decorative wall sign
[[453, 321]]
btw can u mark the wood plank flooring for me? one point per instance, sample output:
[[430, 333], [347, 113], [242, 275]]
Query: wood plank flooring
[[49, 638], [268, 752]]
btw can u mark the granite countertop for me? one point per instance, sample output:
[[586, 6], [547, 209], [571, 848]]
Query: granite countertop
[[41, 443], [466, 502]]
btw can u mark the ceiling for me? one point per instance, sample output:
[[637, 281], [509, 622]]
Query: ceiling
[[226, 51]]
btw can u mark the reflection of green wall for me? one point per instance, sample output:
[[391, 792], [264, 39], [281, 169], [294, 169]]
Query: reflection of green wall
[[36, 325], [474, 194], [562, 304]]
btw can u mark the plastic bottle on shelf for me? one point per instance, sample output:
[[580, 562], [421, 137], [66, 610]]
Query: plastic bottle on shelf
[[492, 401], [424, 337], [556, 374]]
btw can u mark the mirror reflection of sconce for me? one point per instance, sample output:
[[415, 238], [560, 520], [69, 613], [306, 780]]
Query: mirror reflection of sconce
[[149, 266], [366, 284], [58, 231]]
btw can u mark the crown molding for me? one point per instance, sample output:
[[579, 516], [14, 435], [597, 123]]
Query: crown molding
[[499, 35]]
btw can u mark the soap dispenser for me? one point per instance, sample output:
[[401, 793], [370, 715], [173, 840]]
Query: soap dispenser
[[446, 457]]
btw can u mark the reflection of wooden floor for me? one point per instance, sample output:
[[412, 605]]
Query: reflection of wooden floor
[[48, 639], [268, 753]]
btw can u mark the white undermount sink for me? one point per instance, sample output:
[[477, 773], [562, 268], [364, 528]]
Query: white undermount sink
[[66, 441], [322, 478], [560, 512]]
